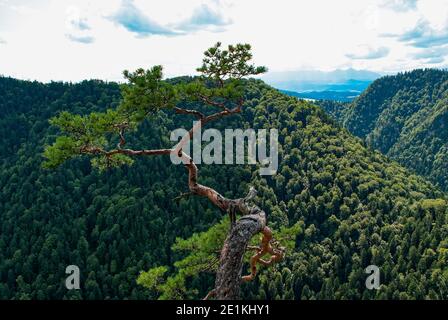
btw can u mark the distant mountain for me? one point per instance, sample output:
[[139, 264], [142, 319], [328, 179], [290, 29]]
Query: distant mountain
[[406, 117], [315, 80], [343, 96]]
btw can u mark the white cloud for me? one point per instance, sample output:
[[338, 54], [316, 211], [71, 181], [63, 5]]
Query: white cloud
[[400, 5], [205, 18], [367, 53], [431, 56], [78, 27], [136, 21], [80, 38], [47, 43]]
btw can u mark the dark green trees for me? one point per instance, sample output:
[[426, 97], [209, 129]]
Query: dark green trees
[[404, 116]]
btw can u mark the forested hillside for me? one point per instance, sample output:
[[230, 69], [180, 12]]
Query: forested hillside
[[352, 208], [406, 117]]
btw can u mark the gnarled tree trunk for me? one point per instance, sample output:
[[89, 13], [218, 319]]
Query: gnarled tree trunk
[[228, 276]]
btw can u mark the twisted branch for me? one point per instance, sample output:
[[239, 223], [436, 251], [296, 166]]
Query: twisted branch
[[266, 248], [253, 220]]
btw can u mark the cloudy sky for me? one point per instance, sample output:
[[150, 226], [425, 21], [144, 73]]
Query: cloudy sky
[[80, 39]]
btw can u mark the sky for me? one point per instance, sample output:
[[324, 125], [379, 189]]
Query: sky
[[52, 40]]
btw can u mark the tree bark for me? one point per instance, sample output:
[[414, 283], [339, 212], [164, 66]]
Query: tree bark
[[228, 276]]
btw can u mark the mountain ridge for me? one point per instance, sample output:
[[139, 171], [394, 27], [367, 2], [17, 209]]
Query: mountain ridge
[[315, 80], [404, 116]]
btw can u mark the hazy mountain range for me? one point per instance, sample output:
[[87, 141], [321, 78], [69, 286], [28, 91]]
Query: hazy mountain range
[[343, 85]]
